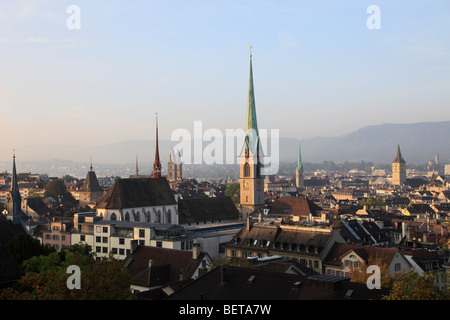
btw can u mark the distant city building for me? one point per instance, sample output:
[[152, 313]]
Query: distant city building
[[299, 178], [174, 167], [447, 169], [91, 191], [398, 169]]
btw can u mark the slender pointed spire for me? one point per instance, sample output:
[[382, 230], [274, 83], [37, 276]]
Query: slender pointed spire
[[398, 156], [91, 168], [137, 168], [14, 181], [251, 125], [157, 164], [14, 198], [299, 160]]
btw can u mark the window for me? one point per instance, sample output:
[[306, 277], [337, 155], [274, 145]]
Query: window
[[316, 264], [82, 238], [98, 239], [114, 250], [141, 233], [142, 242], [398, 267], [105, 239], [98, 229], [105, 229], [246, 170], [121, 241], [182, 245], [63, 238], [158, 244], [98, 249], [121, 252], [47, 236], [105, 250]]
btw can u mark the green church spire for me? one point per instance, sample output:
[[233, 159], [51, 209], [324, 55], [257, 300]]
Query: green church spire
[[299, 160], [251, 127]]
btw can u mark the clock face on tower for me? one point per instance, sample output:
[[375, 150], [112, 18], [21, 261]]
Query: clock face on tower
[[247, 184], [258, 184]]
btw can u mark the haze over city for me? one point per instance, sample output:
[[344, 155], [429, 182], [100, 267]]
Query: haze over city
[[318, 69]]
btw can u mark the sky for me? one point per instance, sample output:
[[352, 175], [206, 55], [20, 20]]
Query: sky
[[318, 69]]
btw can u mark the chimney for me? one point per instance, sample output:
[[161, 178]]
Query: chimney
[[223, 274], [182, 275], [404, 229], [195, 251], [134, 245]]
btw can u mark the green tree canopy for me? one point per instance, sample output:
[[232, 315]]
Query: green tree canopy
[[56, 189], [46, 278], [233, 191], [411, 286]]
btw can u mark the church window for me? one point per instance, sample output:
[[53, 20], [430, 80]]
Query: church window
[[246, 170], [113, 216]]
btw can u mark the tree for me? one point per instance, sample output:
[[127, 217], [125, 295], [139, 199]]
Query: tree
[[360, 274], [46, 278], [23, 247], [411, 286], [35, 193], [233, 191], [57, 189], [372, 202]]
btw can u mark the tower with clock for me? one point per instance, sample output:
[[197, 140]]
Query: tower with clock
[[251, 180]]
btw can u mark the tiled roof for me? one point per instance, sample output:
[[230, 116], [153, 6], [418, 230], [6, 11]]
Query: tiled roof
[[365, 252], [294, 206], [206, 209], [234, 283], [137, 192], [167, 265], [91, 183]]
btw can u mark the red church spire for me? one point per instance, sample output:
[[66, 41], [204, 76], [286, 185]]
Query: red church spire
[[157, 164]]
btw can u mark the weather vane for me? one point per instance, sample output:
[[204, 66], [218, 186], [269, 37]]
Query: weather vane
[[250, 48]]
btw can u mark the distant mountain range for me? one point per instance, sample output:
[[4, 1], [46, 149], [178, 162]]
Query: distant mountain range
[[419, 142]]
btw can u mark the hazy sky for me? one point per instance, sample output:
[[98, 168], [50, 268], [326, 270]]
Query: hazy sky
[[318, 69]]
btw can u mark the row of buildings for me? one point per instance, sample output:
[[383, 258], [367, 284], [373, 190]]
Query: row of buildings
[[302, 243]]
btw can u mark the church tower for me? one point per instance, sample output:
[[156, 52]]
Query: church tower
[[14, 199], [398, 169], [174, 167], [299, 178], [251, 181], [157, 164]]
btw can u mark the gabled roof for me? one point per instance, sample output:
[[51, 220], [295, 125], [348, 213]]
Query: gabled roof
[[366, 253], [137, 192], [91, 183], [167, 265], [294, 206]]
